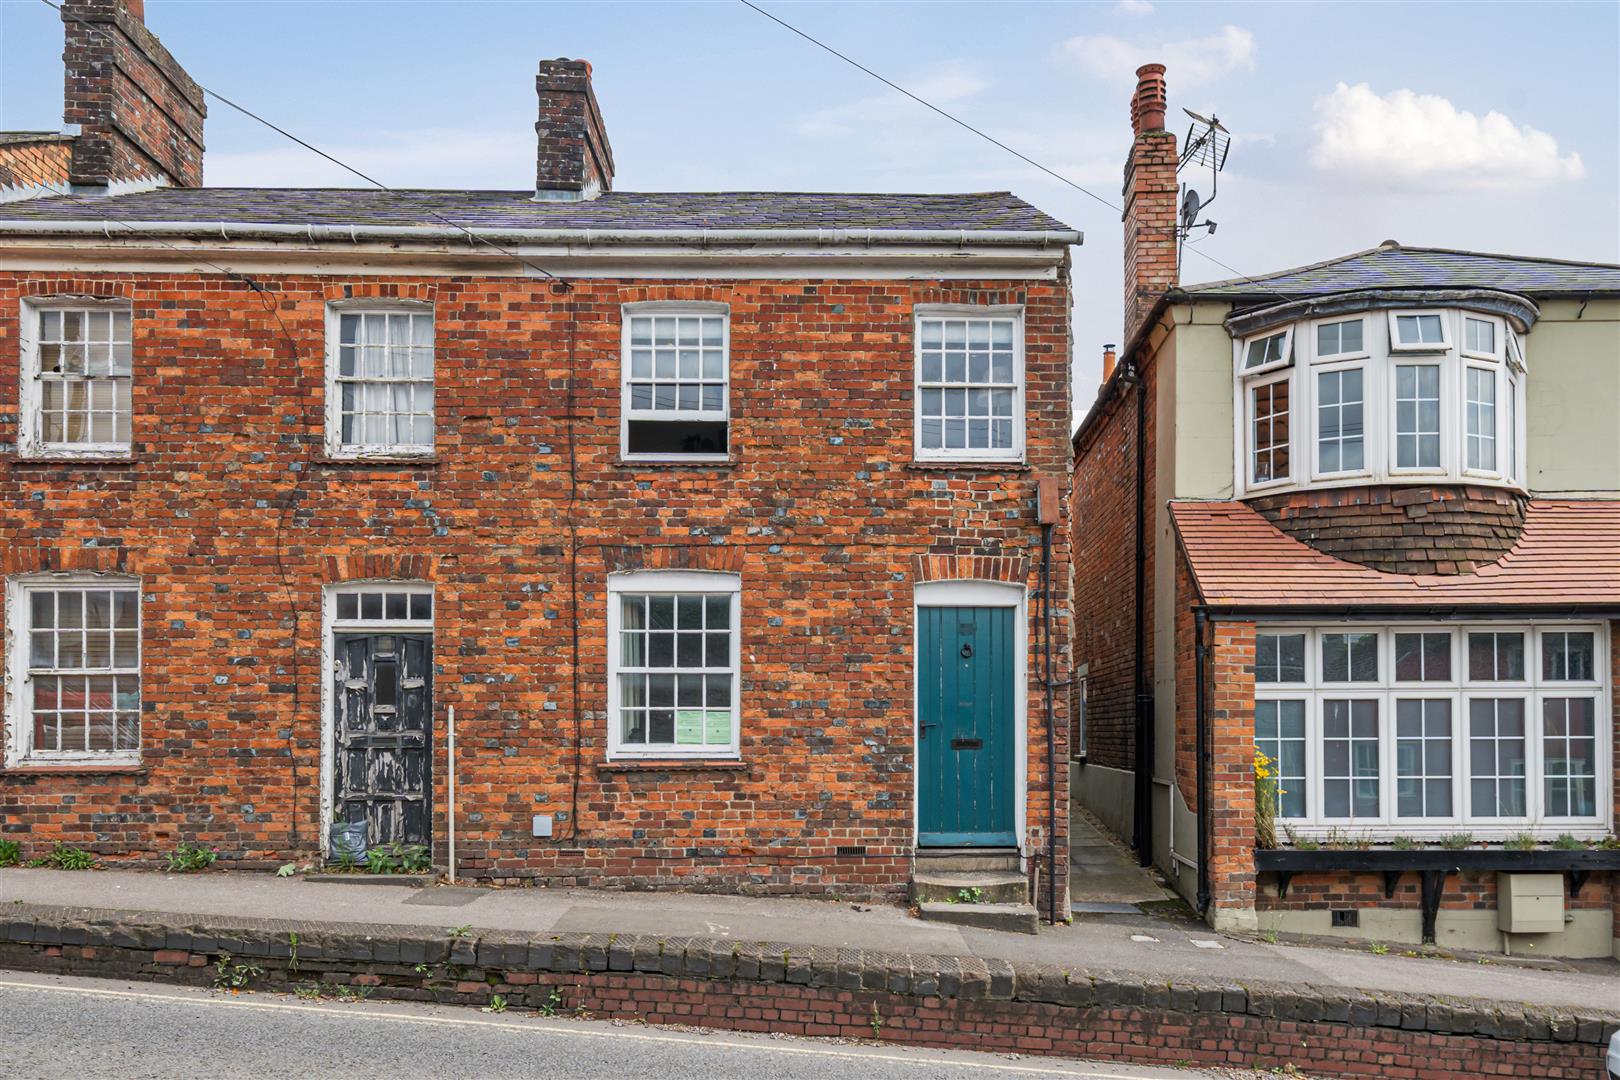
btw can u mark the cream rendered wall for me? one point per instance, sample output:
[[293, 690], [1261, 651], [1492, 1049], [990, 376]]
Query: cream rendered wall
[[1572, 398], [1193, 433]]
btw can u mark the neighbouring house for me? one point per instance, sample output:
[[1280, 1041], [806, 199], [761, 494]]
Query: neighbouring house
[[1361, 517], [725, 531]]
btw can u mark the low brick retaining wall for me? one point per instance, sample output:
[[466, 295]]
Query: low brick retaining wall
[[940, 1001]]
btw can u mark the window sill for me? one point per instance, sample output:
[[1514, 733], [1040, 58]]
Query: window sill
[[693, 463], [379, 461], [672, 765], [91, 769], [968, 466], [98, 460]]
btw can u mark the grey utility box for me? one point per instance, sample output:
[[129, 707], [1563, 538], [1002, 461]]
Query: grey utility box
[[1530, 903]]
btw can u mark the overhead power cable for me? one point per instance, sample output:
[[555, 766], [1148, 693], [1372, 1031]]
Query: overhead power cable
[[957, 120]]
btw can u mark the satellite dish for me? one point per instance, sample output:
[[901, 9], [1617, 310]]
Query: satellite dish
[[1190, 205]]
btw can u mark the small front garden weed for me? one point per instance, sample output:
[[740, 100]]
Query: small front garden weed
[[191, 858], [10, 853], [231, 975], [65, 857]]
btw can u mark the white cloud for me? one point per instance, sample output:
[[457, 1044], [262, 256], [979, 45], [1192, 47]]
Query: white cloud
[[1188, 62], [430, 158], [1133, 7], [941, 87], [1409, 140]]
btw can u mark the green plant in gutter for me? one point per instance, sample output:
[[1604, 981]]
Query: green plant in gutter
[[1266, 793], [1378, 948], [1405, 843], [190, 859], [1297, 842], [10, 853], [1566, 842], [1522, 842], [1457, 841]]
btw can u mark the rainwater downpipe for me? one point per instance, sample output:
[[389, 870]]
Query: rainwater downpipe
[[1051, 733], [450, 816], [1201, 721]]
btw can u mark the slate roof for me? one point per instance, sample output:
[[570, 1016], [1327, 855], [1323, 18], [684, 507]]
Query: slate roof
[[1391, 266], [978, 211], [1567, 556]]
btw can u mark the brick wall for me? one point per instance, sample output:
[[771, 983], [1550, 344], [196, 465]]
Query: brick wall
[[952, 1002], [30, 161], [1104, 527], [573, 153], [235, 522], [1229, 711], [1405, 530], [141, 115]]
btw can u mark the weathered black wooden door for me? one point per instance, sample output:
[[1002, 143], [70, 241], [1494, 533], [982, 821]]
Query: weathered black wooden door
[[384, 735]]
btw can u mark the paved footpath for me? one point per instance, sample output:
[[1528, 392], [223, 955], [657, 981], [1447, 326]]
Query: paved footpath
[[1139, 945]]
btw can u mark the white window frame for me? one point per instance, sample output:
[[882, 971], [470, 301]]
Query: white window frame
[[1496, 380], [19, 751], [665, 582], [1381, 410], [1371, 432], [655, 308], [1396, 345], [1272, 365], [31, 441], [1459, 690], [335, 446], [1014, 312], [1332, 358], [1248, 448], [1447, 412], [1498, 337]]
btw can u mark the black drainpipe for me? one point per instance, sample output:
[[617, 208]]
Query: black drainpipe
[[1143, 812], [1051, 734], [1201, 660]]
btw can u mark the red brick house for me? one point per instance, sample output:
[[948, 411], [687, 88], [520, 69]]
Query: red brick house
[[1363, 518], [716, 520]]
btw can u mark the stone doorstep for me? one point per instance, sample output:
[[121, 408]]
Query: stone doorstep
[[992, 888], [1017, 918], [92, 934]]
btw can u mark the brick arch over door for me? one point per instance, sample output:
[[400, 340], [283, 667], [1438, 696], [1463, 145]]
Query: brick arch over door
[[378, 566], [42, 559], [1010, 569]]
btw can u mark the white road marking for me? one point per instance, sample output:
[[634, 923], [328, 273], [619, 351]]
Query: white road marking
[[1144, 938], [540, 1027], [1206, 943]]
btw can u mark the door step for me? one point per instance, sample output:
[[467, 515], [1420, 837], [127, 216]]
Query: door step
[[967, 888], [1014, 918], [965, 861]]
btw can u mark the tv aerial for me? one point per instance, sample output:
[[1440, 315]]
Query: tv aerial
[[1206, 146]]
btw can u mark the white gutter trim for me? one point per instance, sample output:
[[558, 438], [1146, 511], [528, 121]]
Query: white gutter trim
[[588, 237]]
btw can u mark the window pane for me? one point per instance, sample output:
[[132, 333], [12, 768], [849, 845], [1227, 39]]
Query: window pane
[[1339, 421], [1279, 733], [689, 706], [1350, 765], [1279, 658], [1423, 758], [1417, 416], [1269, 432], [1496, 657], [965, 377], [1349, 657], [1424, 657], [1569, 756], [1567, 657], [1497, 761], [1481, 419]]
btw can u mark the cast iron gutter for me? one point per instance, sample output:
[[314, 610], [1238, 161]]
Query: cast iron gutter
[[1051, 732], [1143, 777], [1201, 736]]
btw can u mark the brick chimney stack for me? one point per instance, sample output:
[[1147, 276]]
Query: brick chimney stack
[[574, 159], [1150, 201], [140, 116]]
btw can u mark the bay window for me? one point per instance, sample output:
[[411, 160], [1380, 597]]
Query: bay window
[[1427, 394], [1421, 731]]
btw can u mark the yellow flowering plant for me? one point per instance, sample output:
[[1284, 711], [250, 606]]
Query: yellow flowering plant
[[1266, 792]]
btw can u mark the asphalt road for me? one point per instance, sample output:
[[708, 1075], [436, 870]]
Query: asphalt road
[[89, 1028]]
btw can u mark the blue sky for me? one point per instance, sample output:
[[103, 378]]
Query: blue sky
[[711, 96]]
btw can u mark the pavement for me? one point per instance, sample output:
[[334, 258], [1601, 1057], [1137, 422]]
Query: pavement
[[1141, 944], [92, 1028]]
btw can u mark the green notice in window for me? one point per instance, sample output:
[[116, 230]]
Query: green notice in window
[[717, 729], [689, 727]]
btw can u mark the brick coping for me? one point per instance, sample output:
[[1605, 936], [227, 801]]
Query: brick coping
[[935, 978]]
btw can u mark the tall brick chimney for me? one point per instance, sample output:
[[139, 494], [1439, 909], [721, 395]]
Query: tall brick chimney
[[574, 160], [1150, 201], [140, 117]]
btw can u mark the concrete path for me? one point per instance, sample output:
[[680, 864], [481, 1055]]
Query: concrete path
[[1103, 871], [1142, 944]]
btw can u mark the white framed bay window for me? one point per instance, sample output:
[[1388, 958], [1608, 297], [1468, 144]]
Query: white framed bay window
[[674, 660], [379, 379], [76, 379], [1408, 395], [1416, 730], [969, 383], [73, 670]]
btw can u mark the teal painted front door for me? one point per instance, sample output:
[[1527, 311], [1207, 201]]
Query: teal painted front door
[[965, 726]]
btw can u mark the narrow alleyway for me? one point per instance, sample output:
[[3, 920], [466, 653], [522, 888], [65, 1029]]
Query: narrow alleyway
[[1104, 874]]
